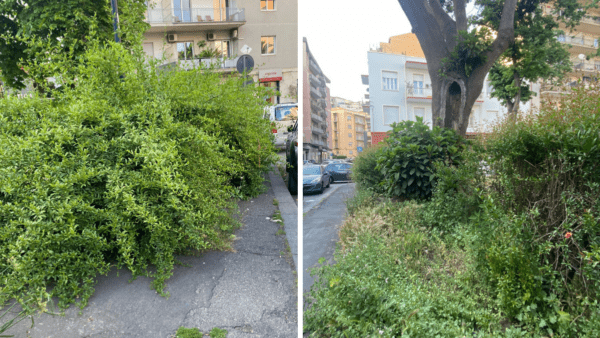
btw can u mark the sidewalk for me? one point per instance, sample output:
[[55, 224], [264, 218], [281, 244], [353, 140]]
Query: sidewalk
[[251, 293]]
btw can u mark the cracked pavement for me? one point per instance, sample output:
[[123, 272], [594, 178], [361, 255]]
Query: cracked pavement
[[252, 292]]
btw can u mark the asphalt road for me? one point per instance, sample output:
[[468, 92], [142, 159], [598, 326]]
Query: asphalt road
[[323, 214]]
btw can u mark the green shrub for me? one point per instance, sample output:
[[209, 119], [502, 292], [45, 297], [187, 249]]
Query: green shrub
[[363, 170], [407, 161], [112, 171], [456, 195]]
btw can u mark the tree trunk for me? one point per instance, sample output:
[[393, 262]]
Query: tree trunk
[[454, 94], [513, 109]]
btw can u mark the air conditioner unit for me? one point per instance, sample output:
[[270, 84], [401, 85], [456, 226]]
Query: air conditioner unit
[[210, 36], [234, 33], [171, 37]]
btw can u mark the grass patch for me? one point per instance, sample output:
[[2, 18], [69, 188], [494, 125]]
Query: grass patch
[[218, 333], [275, 202], [184, 332]]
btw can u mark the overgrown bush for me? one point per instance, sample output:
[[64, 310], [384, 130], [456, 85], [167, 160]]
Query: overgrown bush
[[118, 170], [407, 161], [363, 170]]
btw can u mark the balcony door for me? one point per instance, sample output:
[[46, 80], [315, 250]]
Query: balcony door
[[182, 10], [418, 84]]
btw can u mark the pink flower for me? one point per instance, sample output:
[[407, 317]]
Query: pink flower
[[568, 235]]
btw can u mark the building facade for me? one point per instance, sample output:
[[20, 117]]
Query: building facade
[[350, 131], [583, 42], [316, 109], [400, 89], [216, 32]]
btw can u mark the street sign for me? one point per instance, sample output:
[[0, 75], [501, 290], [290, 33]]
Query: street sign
[[245, 64], [359, 149]]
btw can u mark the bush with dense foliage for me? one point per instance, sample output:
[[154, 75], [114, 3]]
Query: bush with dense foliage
[[508, 245], [363, 170], [407, 161], [127, 165]]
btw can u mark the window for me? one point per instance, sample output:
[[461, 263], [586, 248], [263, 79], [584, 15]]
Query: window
[[223, 47], [185, 50], [349, 126], [182, 11], [349, 134], [267, 45], [390, 115], [350, 144], [349, 118], [267, 5], [561, 38], [418, 84], [350, 152], [389, 80], [595, 43]]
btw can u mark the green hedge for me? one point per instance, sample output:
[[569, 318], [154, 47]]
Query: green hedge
[[127, 165], [407, 161]]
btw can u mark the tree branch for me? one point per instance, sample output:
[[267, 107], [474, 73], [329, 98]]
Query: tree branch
[[506, 35], [461, 15]]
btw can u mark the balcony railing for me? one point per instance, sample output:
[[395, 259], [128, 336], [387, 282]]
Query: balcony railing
[[586, 66], [195, 14], [218, 63], [418, 92], [579, 41]]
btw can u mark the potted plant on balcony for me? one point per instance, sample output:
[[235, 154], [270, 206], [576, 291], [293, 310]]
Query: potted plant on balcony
[[207, 54]]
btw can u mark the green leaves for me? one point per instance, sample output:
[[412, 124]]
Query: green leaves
[[127, 171], [407, 162]]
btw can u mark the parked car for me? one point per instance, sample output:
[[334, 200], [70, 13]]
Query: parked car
[[339, 172], [314, 179], [291, 156]]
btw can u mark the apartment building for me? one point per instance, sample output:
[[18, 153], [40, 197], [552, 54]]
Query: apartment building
[[216, 32], [400, 89], [583, 41], [350, 131], [345, 103], [316, 109]]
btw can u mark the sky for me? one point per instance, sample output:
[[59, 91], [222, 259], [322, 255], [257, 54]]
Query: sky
[[340, 33]]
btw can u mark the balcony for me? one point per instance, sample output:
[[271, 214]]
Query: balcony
[[359, 120], [414, 94], [360, 129], [579, 44], [317, 130], [217, 63], [316, 117], [585, 67], [194, 19]]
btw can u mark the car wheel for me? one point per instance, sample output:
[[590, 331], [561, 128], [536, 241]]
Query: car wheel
[[322, 187], [330, 180]]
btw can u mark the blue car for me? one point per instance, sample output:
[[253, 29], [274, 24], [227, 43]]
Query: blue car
[[314, 179]]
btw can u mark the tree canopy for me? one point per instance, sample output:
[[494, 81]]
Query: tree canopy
[[37, 30]]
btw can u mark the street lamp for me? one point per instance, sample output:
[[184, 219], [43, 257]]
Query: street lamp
[[115, 14]]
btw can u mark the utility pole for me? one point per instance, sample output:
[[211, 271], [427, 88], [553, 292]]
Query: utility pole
[[115, 14]]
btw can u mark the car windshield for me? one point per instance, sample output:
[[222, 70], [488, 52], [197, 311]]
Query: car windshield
[[338, 166], [312, 170]]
